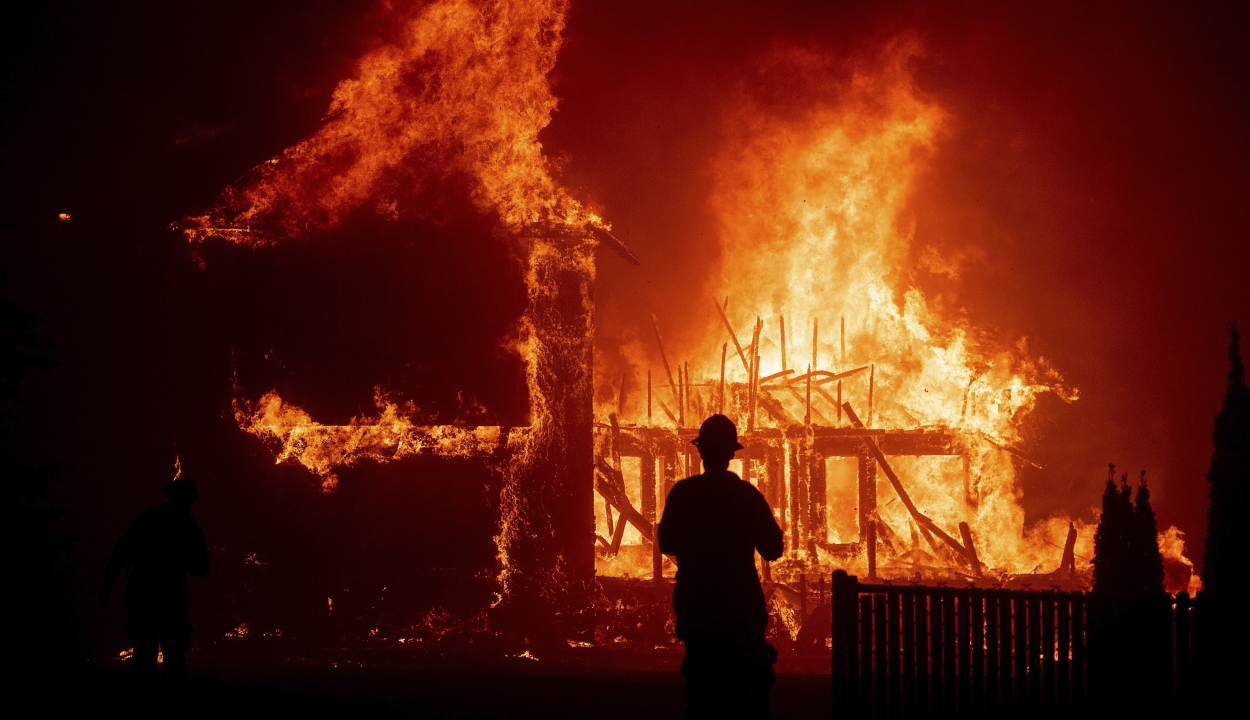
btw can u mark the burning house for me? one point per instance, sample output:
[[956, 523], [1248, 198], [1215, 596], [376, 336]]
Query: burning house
[[882, 426]]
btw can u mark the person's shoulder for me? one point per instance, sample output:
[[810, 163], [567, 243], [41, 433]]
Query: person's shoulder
[[747, 490], [685, 486], [149, 516]]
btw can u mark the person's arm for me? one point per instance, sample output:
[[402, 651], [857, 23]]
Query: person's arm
[[121, 557], [670, 524], [769, 539]]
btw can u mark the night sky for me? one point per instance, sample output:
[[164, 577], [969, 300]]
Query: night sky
[[1096, 154]]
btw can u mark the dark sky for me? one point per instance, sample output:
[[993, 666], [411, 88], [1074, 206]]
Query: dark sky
[[1096, 151]]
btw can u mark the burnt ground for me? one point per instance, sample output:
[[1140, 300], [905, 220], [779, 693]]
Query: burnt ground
[[514, 688]]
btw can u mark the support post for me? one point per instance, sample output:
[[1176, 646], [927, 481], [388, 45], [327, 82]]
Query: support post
[[723, 349], [803, 491], [796, 523], [868, 507], [818, 494], [547, 530], [648, 502], [843, 607], [782, 320]]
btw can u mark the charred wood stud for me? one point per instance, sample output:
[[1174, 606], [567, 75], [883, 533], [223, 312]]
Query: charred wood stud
[[966, 532], [732, 335], [655, 325], [921, 519], [782, 321]]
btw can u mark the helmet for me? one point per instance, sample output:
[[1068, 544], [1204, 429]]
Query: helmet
[[183, 489], [717, 433]]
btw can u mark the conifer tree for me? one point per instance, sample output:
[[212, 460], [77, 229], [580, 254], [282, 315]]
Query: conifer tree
[[1110, 546], [1224, 555], [1147, 560]]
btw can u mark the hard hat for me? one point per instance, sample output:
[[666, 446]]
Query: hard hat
[[717, 432], [182, 489]]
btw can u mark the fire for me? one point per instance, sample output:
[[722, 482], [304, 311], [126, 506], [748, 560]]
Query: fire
[[812, 207], [390, 435], [461, 91], [813, 228], [459, 95], [816, 243], [1179, 575]]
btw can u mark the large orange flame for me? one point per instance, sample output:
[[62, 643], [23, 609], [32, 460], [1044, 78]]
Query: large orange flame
[[462, 90], [812, 203], [461, 93]]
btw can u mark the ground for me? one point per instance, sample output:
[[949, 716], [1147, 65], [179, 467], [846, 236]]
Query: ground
[[509, 688]]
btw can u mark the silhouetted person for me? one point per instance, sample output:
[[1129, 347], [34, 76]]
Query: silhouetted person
[[713, 523], [160, 548]]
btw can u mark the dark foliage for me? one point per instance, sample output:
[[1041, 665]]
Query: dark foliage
[[1129, 608], [1110, 545], [21, 350], [42, 636], [1147, 561], [1226, 548], [1127, 562]]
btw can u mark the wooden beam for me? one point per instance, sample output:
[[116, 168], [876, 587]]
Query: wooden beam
[[921, 519], [774, 376], [723, 348], [966, 532], [655, 324], [668, 412], [782, 320], [611, 485], [826, 376], [607, 238], [1009, 449], [732, 335]]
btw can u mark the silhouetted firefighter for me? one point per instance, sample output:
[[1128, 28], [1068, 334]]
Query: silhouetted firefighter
[[160, 548], [713, 523]]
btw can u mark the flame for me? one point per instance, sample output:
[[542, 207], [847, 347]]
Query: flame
[[812, 211], [460, 95], [462, 91], [1178, 570], [390, 435]]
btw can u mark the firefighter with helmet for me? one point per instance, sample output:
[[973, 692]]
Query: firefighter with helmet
[[713, 524], [159, 549]]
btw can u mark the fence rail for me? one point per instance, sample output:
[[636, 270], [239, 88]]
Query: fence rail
[[910, 651], [905, 651]]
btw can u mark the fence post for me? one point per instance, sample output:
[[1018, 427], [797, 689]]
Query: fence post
[[843, 601], [1180, 651]]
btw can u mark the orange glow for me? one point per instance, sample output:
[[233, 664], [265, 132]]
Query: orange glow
[[390, 435], [1178, 570], [814, 232], [462, 90]]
